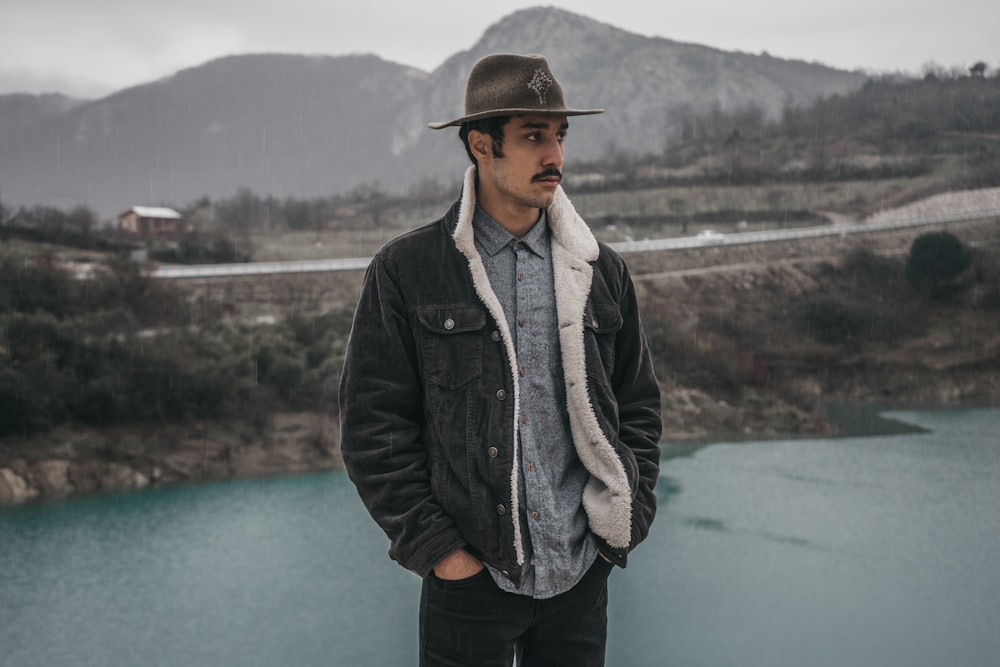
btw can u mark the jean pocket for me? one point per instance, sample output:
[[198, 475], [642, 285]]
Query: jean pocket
[[466, 582]]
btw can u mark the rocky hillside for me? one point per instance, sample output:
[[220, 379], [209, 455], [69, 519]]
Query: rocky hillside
[[757, 349], [277, 124], [20, 112], [648, 86], [289, 125]]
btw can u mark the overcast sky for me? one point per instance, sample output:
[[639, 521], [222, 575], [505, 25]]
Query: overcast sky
[[93, 47]]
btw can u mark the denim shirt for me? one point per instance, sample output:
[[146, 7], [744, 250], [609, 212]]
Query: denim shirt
[[560, 548]]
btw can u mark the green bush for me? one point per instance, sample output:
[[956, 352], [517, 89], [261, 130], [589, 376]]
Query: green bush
[[868, 266], [30, 287], [935, 260], [201, 249], [695, 359], [829, 320], [117, 349]]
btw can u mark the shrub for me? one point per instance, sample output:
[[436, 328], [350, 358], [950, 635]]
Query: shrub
[[829, 320], [696, 359], [115, 349], [30, 287], [935, 260], [867, 265]]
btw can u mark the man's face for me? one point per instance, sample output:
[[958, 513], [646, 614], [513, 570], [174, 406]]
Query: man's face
[[531, 167]]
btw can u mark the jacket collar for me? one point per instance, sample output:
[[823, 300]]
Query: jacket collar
[[568, 229]]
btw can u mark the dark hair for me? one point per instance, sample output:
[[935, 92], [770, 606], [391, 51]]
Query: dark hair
[[491, 126]]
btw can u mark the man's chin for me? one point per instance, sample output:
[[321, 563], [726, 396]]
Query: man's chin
[[535, 199], [545, 200]]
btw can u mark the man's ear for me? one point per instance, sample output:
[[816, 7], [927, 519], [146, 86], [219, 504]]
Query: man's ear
[[480, 144]]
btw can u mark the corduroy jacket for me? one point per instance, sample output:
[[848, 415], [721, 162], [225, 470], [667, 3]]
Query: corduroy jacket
[[429, 401]]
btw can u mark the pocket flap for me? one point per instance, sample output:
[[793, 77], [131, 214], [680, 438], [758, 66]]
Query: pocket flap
[[451, 319], [602, 319]]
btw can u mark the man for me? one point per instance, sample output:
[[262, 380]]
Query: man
[[499, 413]]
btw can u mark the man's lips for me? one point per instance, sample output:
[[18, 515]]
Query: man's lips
[[552, 177]]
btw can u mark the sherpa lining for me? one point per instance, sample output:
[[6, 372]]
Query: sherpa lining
[[607, 497]]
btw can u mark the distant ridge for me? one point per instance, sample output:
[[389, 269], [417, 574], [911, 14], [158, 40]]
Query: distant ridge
[[311, 126], [20, 111]]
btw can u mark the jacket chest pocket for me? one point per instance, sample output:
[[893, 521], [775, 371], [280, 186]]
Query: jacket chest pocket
[[600, 325], [451, 344]]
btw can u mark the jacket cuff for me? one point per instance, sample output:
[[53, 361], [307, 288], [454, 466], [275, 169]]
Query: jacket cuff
[[617, 556], [428, 560]]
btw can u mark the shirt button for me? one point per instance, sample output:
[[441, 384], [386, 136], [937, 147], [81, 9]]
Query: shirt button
[[501, 509], [523, 372], [519, 245], [534, 515], [520, 277], [531, 467], [501, 395], [449, 324], [520, 323], [493, 452], [524, 420], [495, 336]]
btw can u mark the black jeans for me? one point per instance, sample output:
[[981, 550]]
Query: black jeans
[[473, 623]]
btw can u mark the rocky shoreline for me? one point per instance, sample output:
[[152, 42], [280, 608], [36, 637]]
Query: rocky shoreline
[[66, 463]]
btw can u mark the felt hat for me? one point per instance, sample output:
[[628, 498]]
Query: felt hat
[[505, 84]]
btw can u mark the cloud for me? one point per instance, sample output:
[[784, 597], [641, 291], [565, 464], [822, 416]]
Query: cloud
[[104, 45], [25, 81]]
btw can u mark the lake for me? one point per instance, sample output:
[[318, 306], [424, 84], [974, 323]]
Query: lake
[[861, 551]]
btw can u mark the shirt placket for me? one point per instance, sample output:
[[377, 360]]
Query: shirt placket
[[526, 275]]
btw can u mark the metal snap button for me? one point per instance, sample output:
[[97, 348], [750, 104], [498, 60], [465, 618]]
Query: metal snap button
[[501, 509], [449, 324], [501, 395], [493, 452]]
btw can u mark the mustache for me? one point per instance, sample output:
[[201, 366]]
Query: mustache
[[551, 172]]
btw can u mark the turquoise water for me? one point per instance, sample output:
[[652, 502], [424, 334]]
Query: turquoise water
[[860, 551]]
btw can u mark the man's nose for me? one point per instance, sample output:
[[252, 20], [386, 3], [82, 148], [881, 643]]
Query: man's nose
[[553, 154]]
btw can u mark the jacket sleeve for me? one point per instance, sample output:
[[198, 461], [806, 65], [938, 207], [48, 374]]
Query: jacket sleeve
[[639, 414], [381, 418]]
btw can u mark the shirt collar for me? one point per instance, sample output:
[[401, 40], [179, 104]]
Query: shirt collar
[[493, 238]]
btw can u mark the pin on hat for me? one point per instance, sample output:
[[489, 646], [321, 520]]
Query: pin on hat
[[511, 85]]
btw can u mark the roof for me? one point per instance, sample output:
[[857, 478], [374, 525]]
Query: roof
[[155, 212]]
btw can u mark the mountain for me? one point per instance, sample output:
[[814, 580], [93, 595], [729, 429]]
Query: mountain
[[19, 112], [284, 124], [647, 86], [309, 126]]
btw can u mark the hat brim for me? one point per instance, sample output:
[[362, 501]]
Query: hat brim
[[513, 112]]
